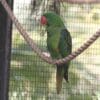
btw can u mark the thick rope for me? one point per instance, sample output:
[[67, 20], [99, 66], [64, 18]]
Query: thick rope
[[24, 33], [36, 49]]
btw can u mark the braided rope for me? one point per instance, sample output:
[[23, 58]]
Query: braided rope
[[36, 49]]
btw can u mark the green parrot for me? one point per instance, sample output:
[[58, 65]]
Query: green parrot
[[59, 44]]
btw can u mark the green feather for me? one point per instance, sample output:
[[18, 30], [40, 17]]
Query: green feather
[[59, 44]]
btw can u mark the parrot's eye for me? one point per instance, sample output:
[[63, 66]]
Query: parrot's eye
[[43, 20]]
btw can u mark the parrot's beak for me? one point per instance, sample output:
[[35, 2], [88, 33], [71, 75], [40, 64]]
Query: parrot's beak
[[42, 30]]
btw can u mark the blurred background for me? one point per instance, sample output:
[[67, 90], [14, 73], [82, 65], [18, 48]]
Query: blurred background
[[33, 79]]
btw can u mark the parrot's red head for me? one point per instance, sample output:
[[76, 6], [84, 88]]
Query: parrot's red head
[[51, 19], [43, 20]]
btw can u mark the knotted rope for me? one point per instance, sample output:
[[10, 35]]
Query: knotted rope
[[37, 50]]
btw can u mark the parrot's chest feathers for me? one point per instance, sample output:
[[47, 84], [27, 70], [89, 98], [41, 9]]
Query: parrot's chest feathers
[[53, 40], [53, 44]]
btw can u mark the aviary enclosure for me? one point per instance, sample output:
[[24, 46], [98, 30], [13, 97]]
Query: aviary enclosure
[[30, 77]]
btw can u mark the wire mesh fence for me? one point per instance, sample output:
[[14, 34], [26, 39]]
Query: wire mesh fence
[[33, 79]]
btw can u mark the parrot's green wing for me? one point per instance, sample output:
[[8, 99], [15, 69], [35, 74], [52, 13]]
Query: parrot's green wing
[[65, 48], [65, 43]]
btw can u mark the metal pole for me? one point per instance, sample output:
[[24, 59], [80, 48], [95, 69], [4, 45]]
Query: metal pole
[[5, 51]]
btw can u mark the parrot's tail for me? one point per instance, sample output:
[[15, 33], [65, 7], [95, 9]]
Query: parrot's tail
[[66, 71], [62, 72], [66, 76], [59, 78]]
